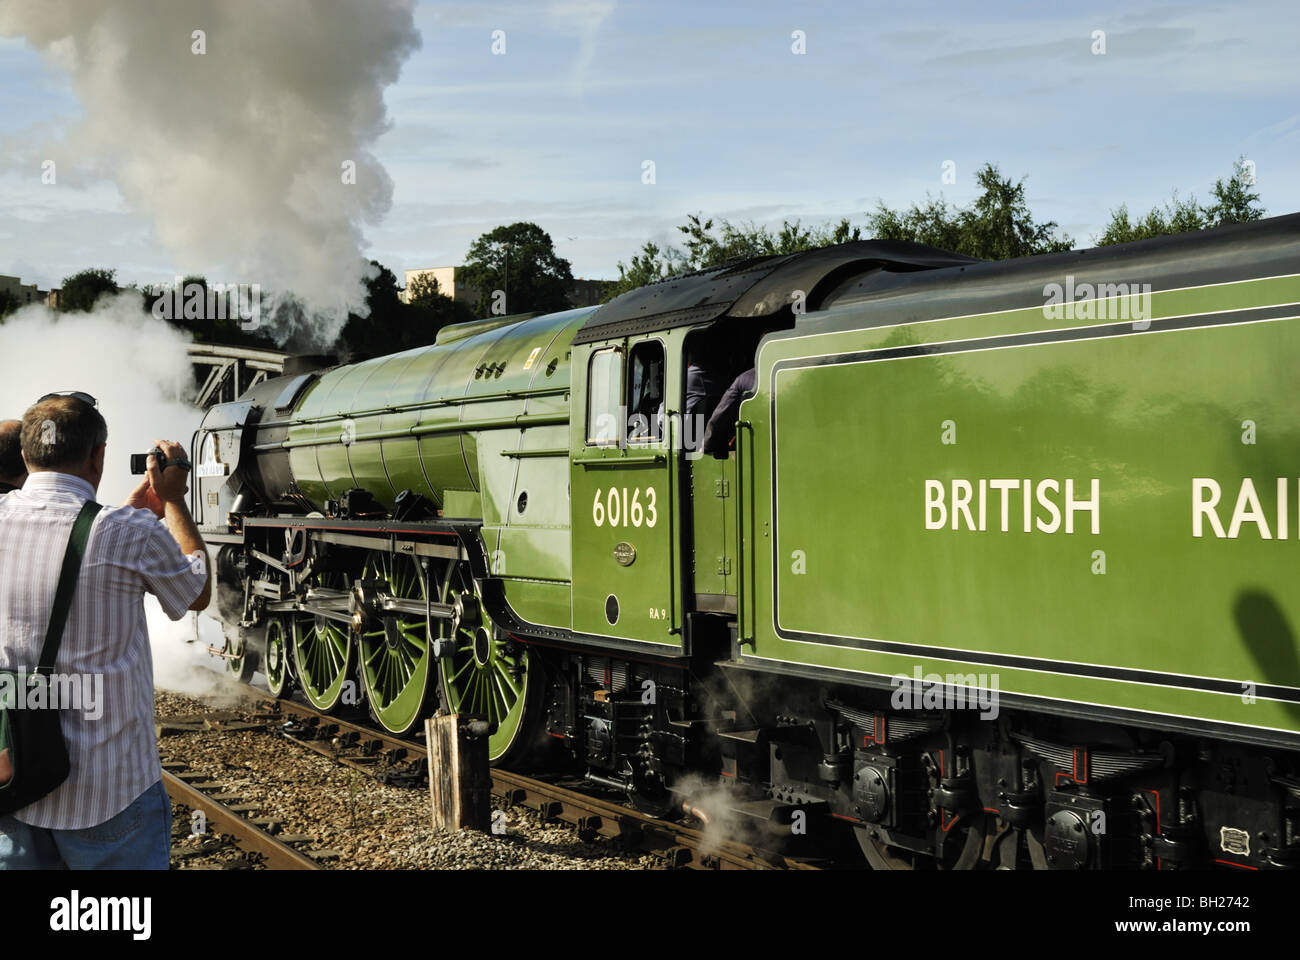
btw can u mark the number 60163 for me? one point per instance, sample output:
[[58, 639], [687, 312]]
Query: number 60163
[[616, 508]]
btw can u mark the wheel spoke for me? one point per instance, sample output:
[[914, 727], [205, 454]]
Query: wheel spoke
[[468, 665], [403, 668], [476, 697], [504, 674], [411, 636], [505, 700]]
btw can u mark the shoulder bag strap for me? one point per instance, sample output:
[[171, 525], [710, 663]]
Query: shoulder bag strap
[[67, 585]]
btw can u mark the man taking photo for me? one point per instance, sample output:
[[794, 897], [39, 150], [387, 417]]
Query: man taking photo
[[112, 811]]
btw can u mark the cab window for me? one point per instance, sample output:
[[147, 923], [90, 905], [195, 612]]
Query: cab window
[[645, 383], [604, 396]]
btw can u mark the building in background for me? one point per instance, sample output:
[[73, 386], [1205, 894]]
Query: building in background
[[581, 293], [586, 293], [448, 285], [24, 293]]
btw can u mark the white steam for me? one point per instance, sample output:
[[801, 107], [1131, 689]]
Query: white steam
[[717, 802], [240, 127], [134, 365], [181, 662], [136, 368]]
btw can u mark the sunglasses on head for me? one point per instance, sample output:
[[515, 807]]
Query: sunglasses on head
[[83, 397]]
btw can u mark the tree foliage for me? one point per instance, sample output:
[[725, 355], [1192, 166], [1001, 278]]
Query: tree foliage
[[652, 264], [703, 248], [1234, 202], [392, 325], [431, 310], [997, 226], [423, 289], [211, 317], [520, 261], [81, 290], [382, 330]]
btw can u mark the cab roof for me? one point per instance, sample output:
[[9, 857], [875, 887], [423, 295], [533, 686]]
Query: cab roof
[[755, 287]]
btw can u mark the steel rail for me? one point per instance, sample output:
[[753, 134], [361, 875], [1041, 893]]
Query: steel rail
[[247, 835]]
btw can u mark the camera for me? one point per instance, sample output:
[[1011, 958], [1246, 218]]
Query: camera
[[140, 461]]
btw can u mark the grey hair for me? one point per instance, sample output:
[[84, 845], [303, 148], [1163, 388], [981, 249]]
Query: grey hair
[[62, 432]]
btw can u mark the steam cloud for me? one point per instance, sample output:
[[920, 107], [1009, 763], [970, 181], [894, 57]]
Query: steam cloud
[[136, 367], [716, 801], [237, 153]]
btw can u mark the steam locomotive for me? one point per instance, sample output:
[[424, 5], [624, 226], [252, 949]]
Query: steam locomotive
[[998, 570]]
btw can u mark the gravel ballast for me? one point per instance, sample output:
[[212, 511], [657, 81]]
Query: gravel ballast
[[369, 824]]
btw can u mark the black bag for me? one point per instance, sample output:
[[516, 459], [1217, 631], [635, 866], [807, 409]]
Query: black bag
[[32, 751]]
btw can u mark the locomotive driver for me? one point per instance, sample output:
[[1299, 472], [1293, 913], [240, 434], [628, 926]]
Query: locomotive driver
[[112, 812]]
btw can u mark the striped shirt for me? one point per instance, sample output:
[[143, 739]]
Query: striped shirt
[[113, 749]]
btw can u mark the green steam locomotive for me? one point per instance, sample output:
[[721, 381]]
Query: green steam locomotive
[[997, 570]]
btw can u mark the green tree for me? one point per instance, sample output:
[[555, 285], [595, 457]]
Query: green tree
[[651, 265], [520, 261], [391, 325], [81, 290], [429, 309], [1176, 216], [423, 289], [1234, 202], [997, 226], [934, 223], [381, 330], [210, 317], [704, 248]]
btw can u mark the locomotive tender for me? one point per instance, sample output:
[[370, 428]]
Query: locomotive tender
[[1001, 570]]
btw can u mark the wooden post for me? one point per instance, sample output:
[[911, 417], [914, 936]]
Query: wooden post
[[460, 782]]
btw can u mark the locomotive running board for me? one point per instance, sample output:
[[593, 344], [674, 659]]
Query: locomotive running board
[[339, 605], [440, 527], [383, 534]]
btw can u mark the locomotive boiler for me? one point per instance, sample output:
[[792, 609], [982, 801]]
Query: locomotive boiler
[[998, 571]]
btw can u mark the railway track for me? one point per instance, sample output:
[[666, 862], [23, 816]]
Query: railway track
[[403, 762], [226, 821]]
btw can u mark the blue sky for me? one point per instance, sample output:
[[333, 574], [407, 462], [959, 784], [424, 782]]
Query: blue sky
[[738, 126]]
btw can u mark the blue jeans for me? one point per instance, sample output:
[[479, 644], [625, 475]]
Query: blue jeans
[[138, 838]]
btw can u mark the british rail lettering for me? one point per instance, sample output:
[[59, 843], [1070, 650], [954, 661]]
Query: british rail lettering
[[1047, 506]]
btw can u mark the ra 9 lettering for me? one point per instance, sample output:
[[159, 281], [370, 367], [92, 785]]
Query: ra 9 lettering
[[616, 508]]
